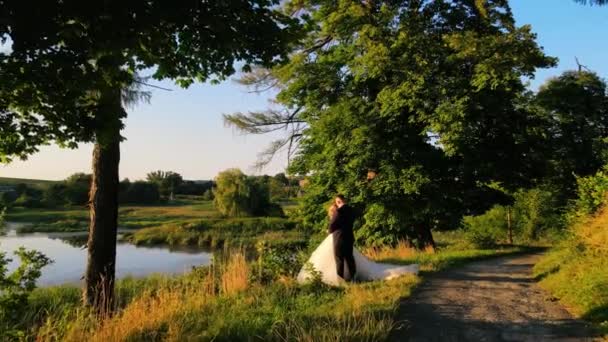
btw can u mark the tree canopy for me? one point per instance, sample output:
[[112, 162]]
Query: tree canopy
[[67, 67], [406, 107], [239, 195], [59, 56]]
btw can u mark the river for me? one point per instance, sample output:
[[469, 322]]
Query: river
[[68, 252]]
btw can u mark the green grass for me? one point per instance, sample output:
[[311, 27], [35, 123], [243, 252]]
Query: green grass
[[131, 216], [576, 271], [38, 183], [220, 232]]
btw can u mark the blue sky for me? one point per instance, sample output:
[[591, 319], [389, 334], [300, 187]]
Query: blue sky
[[183, 130]]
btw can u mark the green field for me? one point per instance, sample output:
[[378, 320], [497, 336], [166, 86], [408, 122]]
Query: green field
[[39, 183], [130, 217]]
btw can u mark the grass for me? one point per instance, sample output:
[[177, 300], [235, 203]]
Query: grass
[[130, 217], [576, 271], [220, 232], [224, 302], [38, 183]]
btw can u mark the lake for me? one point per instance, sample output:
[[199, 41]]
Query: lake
[[68, 251]]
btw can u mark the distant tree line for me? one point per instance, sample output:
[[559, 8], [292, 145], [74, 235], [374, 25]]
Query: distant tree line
[[158, 187]]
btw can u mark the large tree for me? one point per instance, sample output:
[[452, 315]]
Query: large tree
[[64, 66], [410, 108], [167, 182], [575, 107]]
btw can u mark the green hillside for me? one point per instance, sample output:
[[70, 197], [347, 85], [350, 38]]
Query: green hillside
[[4, 181]]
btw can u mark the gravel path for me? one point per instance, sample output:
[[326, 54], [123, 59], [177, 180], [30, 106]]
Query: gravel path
[[491, 300]]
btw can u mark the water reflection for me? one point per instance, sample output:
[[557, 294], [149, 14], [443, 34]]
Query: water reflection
[[68, 251]]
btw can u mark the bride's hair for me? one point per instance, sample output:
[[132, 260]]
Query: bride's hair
[[332, 210]]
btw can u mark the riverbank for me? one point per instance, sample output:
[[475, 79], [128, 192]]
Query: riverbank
[[216, 233], [229, 302], [181, 211]]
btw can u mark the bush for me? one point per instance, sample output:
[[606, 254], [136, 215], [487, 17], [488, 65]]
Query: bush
[[277, 259], [592, 192], [27, 201], [536, 211], [15, 289], [487, 230]]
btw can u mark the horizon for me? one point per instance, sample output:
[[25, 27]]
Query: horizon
[[183, 131]]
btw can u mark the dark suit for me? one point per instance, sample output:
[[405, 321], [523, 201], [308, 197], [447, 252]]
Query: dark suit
[[341, 226]]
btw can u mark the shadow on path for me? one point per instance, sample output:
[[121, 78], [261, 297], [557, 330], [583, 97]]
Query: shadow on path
[[491, 300]]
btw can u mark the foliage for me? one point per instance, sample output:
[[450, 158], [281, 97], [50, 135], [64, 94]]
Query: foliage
[[592, 192], [407, 108], [536, 211], [574, 107], [77, 189], [15, 289], [27, 200], [193, 188], [70, 70], [489, 229], [68, 105], [167, 182], [139, 193], [575, 270], [208, 195], [220, 232], [593, 2], [277, 259], [2, 218], [237, 195]]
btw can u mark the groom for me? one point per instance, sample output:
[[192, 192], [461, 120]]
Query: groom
[[341, 226]]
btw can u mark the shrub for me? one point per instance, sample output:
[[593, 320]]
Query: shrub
[[276, 259], [15, 289], [27, 201], [536, 211], [592, 191], [487, 230]]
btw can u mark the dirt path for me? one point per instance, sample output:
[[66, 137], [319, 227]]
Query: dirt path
[[491, 300]]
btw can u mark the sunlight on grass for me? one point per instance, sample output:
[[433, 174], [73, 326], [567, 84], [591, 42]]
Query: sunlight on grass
[[576, 272]]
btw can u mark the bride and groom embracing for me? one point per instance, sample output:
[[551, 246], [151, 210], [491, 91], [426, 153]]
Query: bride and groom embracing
[[337, 251]]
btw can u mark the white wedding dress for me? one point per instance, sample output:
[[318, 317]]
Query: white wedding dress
[[323, 262]]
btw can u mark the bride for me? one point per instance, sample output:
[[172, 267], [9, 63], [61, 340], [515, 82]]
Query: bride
[[322, 262]]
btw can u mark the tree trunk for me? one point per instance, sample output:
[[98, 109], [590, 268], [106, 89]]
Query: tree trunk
[[425, 238], [103, 198], [509, 225]]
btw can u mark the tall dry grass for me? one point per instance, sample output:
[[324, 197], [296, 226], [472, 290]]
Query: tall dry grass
[[594, 232], [403, 250], [235, 276], [162, 314]]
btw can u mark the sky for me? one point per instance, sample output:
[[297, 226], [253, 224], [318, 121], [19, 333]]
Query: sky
[[183, 130]]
